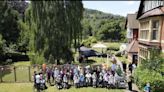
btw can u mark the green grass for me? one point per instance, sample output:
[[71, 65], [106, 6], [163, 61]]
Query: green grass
[[27, 87], [22, 63], [112, 44], [123, 59], [22, 72]]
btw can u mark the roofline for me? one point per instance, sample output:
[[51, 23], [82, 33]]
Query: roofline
[[126, 22], [140, 9], [152, 15]]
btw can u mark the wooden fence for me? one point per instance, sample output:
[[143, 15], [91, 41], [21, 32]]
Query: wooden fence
[[24, 74]]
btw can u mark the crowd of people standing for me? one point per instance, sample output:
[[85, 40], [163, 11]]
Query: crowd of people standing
[[80, 76]]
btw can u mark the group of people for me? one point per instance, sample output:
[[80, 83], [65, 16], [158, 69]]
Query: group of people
[[79, 77], [85, 76], [39, 81]]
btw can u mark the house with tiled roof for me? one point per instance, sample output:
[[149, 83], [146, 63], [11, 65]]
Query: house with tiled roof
[[151, 27], [132, 26]]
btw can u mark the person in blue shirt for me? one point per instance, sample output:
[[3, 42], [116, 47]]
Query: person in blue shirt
[[82, 80], [147, 88], [76, 80]]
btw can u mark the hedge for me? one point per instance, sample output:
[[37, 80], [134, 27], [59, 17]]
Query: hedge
[[156, 80]]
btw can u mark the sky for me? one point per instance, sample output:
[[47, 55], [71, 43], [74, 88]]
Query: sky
[[114, 7]]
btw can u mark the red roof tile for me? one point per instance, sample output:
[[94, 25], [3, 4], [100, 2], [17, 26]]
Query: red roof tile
[[153, 12], [132, 47]]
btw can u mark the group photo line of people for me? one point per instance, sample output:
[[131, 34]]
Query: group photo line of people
[[65, 76]]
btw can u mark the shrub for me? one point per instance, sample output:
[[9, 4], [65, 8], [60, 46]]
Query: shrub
[[141, 77], [37, 59], [150, 70], [89, 41], [113, 46], [118, 53]]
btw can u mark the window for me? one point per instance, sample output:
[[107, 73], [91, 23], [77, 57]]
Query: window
[[150, 4], [155, 28], [143, 52], [144, 30]]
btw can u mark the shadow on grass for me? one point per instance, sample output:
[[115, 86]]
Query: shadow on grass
[[134, 91], [88, 62], [5, 70]]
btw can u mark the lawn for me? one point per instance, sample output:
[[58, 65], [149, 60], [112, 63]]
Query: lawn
[[27, 87], [22, 72], [123, 59]]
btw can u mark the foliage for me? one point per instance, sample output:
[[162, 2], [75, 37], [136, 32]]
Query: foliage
[[8, 23], [23, 41], [150, 70], [54, 28], [113, 46], [11, 13], [142, 77], [155, 62], [88, 42], [37, 58], [118, 53], [103, 26], [1, 44]]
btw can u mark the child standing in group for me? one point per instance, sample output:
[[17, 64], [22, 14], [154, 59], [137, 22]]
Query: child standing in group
[[147, 88]]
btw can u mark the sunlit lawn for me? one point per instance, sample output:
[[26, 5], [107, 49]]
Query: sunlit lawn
[[22, 72], [27, 87]]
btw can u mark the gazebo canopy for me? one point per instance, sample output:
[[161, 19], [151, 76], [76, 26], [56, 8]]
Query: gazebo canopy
[[99, 45]]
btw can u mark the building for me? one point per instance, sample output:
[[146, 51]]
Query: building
[[151, 27], [132, 26]]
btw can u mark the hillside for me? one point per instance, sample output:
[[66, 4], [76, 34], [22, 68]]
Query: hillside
[[90, 13], [102, 25]]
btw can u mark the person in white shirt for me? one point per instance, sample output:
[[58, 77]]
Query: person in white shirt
[[42, 83], [94, 79], [88, 78], [37, 78], [56, 73], [76, 80], [100, 80], [134, 66]]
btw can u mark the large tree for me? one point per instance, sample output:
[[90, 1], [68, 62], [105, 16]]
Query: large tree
[[8, 23], [54, 27]]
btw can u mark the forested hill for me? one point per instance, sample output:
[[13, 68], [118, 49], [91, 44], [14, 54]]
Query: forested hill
[[90, 13], [103, 26]]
